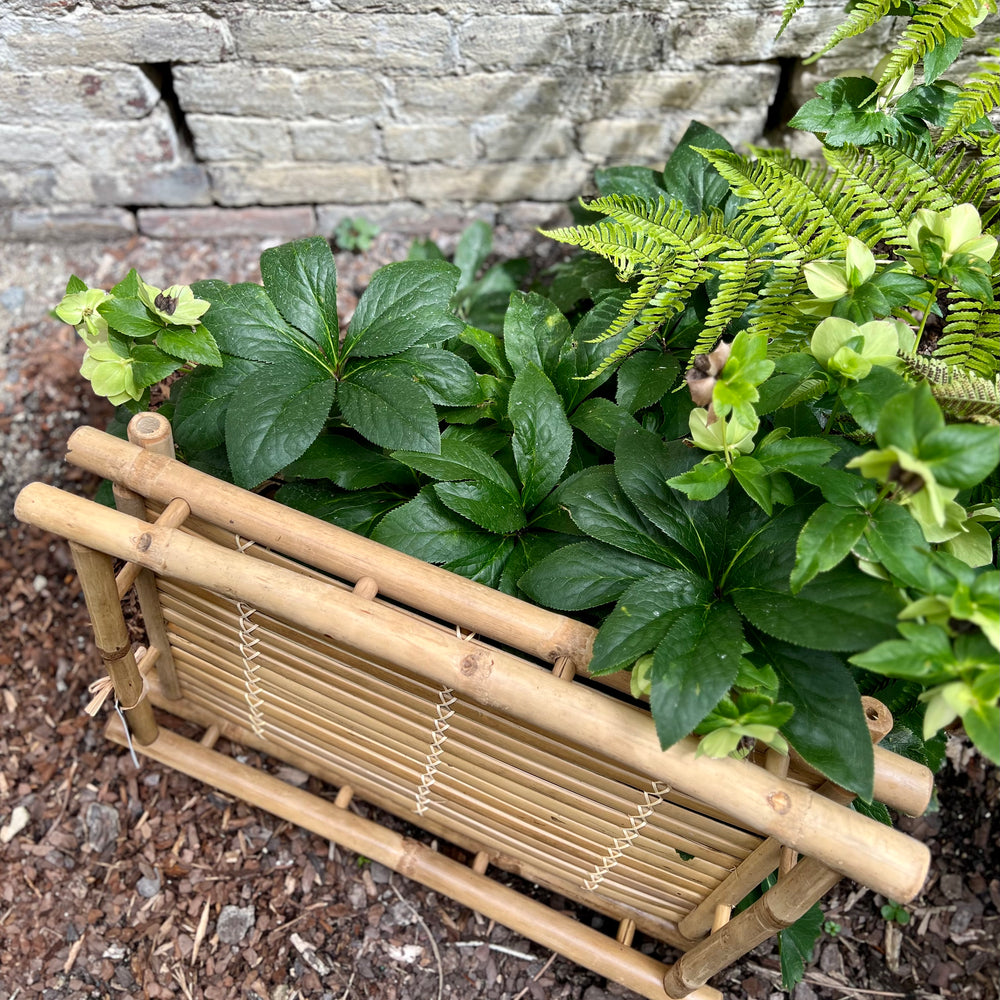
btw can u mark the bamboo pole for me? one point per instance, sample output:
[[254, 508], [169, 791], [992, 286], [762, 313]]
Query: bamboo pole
[[521, 914], [900, 783], [145, 587], [97, 579], [779, 907], [875, 855]]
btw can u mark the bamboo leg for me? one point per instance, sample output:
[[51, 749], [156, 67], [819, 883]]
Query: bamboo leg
[[97, 578], [777, 908], [149, 599]]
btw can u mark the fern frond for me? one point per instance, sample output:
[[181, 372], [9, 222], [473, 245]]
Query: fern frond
[[971, 334], [771, 315], [811, 388], [960, 393], [782, 201], [861, 18], [739, 286], [930, 27], [980, 95], [887, 182], [792, 7]]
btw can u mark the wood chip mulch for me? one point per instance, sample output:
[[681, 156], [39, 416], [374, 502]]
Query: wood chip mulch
[[121, 883]]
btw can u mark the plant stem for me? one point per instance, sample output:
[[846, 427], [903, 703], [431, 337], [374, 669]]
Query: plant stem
[[930, 305]]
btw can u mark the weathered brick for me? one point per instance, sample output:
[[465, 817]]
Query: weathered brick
[[480, 94], [267, 91], [287, 223], [227, 137], [97, 224], [640, 142], [526, 140], [84, 38], [305, 39], [298, 183], [333, 141], [74, 97], [408, 217], [643, 94], [181, 184], [525, 216], [420, 143], [497, 182]]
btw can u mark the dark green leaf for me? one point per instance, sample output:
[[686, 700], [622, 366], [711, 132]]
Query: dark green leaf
[[755, 479], [961, 455], [899, 545], [390, 411], [828, 728], [406, 303], [644, 615], [428, 530], [542, 434], [350, 465], [865, 399], [644, 377], [128, 287], [274, 415], [907, 418], [637, 182], [689, 177], [202, 398], [704, 481], [245, 323], [447, 379], [584, 575], [602, 421], [150, 365], [599, 507], [301, 280], [534, 332], [488, 347], [941, 56], [795, 945], [357, 512], [826, 538], [190, 344], [459, 460], [694, 666], [473, 248], [844, 611], [484, 503], [76, 284]]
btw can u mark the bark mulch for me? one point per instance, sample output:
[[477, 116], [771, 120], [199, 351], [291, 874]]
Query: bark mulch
[[144, 883]]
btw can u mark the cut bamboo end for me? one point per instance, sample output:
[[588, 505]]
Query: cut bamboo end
[[721, 916], [210, 737], [480, 863], [153, 433], [366, 588], [344, 796], [564, 668], [787, 860], [626, 932], [878, 718]]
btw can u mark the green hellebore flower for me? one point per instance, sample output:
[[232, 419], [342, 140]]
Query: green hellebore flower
[[957, 230], [724, 741], [946, 703], [847, 349], [110, 374], [176, 304], [640, 682], [79, 309], [926, 497], [721, 433], [829, 282]]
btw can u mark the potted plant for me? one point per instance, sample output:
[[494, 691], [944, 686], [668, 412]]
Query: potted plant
[[754, 445]]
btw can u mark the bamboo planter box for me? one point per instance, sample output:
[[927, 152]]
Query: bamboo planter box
[[458, 708]]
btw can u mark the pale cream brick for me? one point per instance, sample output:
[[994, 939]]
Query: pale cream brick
[[236, 89], [420, 143], [86, 38], [298, 183], [333, 140], [224, 137], [74, 97], [498, 182], [48, 224], [515, 42], [379, 41], [338, 93], [286, 223], [526, 140], [482, 94]]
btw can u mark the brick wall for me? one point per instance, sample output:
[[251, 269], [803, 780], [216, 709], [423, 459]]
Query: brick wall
[[283, 116]]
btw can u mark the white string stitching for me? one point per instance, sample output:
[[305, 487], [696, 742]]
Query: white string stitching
[[441, 723], [253, 692], [637, 821]]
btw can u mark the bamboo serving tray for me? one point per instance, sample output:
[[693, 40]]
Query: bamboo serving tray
[[465, 711]]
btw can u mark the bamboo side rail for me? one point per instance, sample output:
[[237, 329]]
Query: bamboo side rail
[[877, 856], [523, 915], [900, 783], [791, 896]]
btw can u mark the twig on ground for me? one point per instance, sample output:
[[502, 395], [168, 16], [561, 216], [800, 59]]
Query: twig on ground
[[503, 949], [538, 975], [430, 937]]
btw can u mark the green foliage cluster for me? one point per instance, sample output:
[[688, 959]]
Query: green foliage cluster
[[750, 434]]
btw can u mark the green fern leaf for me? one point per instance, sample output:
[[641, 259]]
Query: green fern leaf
[[980, 95], [971, 335], [792, 7], [930, 27], [961, 394], [861, 18]]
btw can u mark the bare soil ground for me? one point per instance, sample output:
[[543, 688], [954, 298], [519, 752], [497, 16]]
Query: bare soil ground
[[143, 883]]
